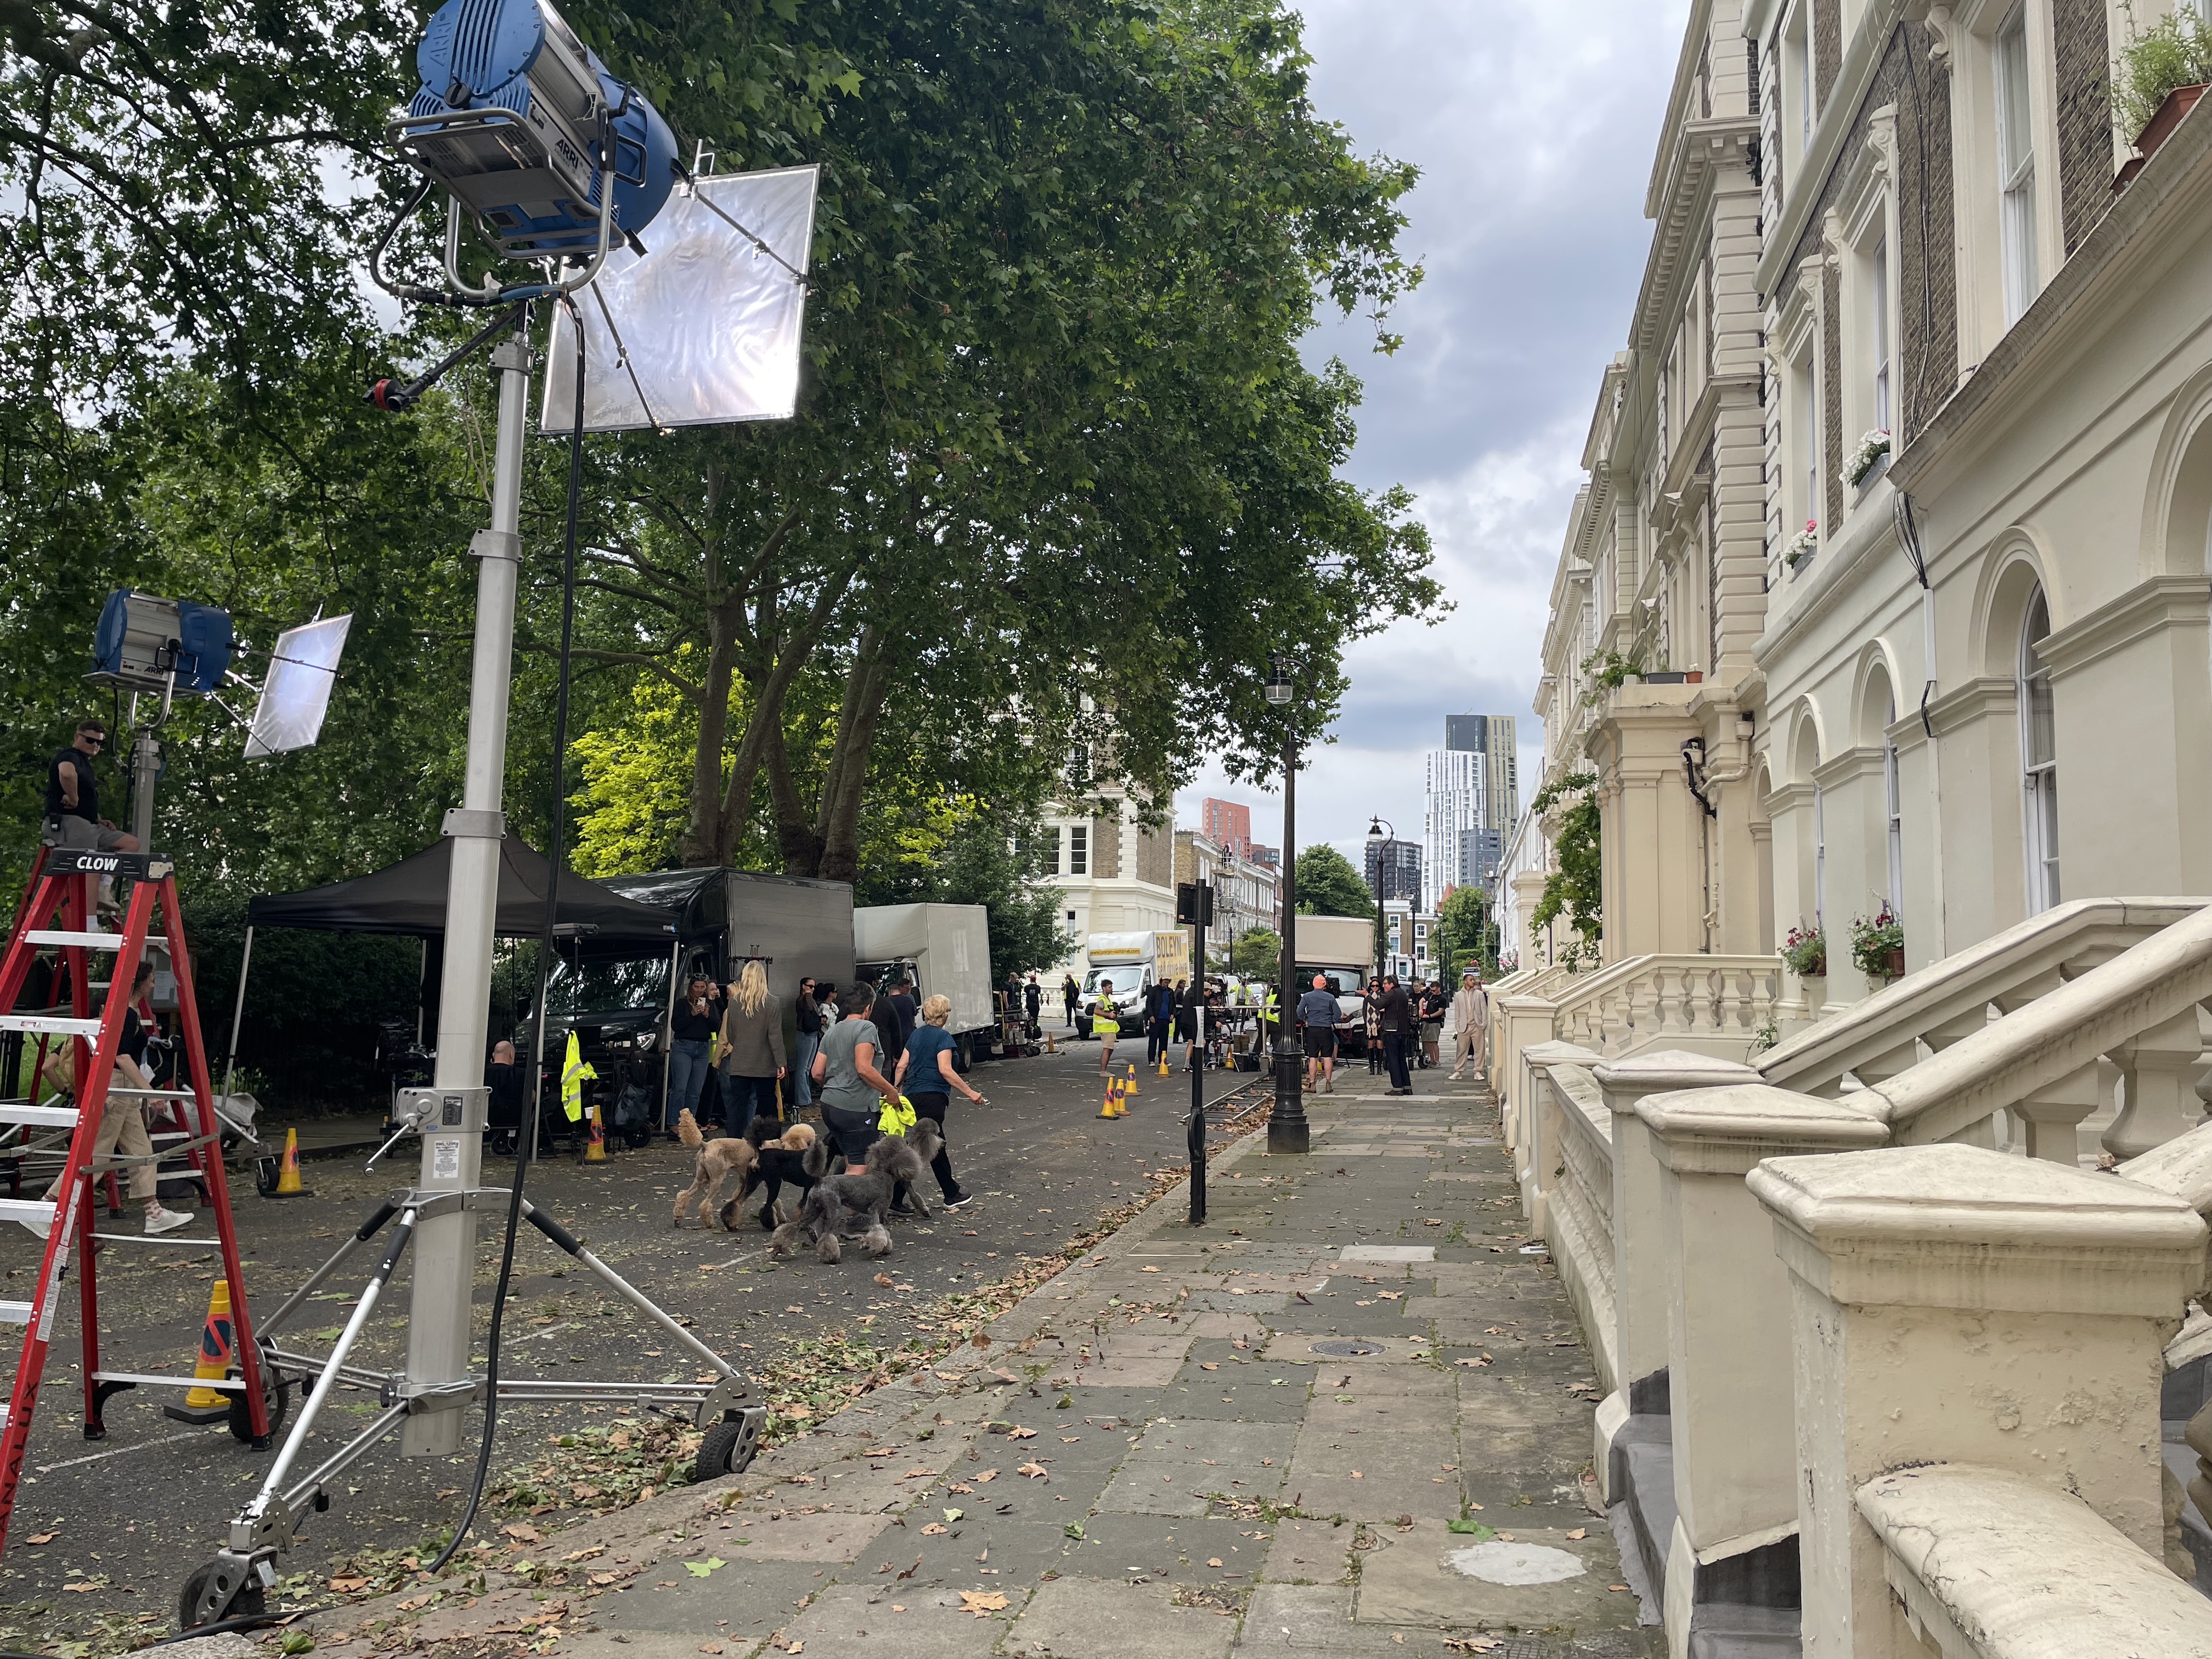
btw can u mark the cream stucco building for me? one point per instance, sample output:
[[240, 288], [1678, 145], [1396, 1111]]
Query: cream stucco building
[[1887, 592]]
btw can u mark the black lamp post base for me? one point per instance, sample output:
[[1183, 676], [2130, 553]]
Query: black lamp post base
[[1287, 1130]]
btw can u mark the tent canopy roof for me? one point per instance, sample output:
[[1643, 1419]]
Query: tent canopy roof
[[410, 897]]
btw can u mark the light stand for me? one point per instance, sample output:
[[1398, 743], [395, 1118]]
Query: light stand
[[483, 157], [1287, 1131]]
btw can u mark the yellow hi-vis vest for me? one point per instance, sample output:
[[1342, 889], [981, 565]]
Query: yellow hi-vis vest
[[574, 1070], [1105, 1021]]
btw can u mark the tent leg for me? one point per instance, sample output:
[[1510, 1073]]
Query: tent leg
[[668, 1030], [237, 1014]]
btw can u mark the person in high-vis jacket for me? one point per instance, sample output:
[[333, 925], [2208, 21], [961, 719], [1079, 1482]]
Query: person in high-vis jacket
[[1105, 1024]]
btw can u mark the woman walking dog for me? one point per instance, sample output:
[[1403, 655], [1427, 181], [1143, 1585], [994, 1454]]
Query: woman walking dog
[[927, 1077], [848, 1084]]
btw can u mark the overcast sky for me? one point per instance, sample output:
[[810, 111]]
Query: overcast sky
[[1534, 129]]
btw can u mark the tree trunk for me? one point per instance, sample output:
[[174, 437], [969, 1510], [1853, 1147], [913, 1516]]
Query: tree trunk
[[837, 825]]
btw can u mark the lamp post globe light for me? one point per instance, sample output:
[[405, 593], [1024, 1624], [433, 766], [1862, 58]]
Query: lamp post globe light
[[1287, 1131], [1381, 832]]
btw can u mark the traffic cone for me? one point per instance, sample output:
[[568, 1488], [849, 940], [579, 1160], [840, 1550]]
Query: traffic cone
[[595, 1149], [1129, 1088], [1164, 1062], [1051, 1048], [287, 1173], [203, 1406]]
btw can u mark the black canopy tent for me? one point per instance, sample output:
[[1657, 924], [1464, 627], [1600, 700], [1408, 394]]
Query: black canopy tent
[[408, 897]]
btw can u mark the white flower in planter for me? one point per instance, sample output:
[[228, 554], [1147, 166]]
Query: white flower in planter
[[1871, 449], [1803, 544]]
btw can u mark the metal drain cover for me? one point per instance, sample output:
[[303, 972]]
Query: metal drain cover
[[1342, 1349]]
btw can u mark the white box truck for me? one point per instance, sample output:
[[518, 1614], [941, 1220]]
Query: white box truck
[[1134, 963], [946, 948], [1343, 949]]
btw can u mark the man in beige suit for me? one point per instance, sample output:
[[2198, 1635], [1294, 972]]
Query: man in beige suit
[[1470, 1022]]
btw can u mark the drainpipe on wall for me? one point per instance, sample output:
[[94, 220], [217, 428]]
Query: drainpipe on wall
[[1908, 536]]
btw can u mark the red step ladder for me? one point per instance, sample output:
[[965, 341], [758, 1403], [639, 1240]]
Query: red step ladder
[[55, 916]]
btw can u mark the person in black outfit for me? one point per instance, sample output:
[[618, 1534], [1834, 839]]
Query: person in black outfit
[[1032, 1000], [1070, 995], [908, 1009], [504, 1077], [810, 1027], [1398, 1029], [691, 1032], [1159, 1027], [73, 797]]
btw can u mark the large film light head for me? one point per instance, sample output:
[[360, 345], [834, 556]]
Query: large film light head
[[147, 644], [522, 123]]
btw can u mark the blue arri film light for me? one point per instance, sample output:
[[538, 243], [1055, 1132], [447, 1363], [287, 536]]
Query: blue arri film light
[[522, 123]]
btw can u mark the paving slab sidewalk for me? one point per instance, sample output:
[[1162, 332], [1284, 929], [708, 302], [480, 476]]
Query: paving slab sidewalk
[[1350, 1415]]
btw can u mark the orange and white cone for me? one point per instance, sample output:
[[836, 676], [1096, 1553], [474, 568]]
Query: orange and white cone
[[213, 1362], [288, 1174]]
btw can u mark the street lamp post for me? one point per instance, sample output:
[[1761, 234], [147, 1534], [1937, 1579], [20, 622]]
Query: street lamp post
[[1375, 827], [1287, 1131]]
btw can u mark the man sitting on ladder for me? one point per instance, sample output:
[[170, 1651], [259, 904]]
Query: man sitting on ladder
[[73, 804], [122, 1124]]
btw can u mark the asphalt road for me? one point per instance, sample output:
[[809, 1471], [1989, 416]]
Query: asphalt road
[[132, 1515]]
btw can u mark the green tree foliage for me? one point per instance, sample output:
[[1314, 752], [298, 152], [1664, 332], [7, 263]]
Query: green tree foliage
[[1463, 934], [1327, 885], [1575, 889], [1257, 954]]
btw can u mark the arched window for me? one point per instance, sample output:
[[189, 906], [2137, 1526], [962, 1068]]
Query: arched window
[[2039, 760]]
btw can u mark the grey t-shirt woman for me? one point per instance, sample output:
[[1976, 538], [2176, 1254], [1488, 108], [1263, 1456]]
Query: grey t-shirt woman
[[849, 1102]]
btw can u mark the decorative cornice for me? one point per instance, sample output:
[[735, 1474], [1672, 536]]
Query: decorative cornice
[[1729, 1131], [2147, 608], [1975, 700], [1847, 765]]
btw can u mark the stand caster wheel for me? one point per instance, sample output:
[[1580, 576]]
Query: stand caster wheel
[[502, 1143], [729, 1447], [636, 1137], [196, 1603], [276, 1394]]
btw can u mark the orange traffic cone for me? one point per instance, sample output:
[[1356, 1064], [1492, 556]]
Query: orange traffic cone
[[288, 1174], [210, 1405], [1110, 1106], [1164, 1062], [1129, 1088], [595, 1149]]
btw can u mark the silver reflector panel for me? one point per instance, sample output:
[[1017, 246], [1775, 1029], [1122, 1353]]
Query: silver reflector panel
[[304, 667], [705, 328]]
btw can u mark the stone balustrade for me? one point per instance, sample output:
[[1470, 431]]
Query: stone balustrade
[[1798, 1299]]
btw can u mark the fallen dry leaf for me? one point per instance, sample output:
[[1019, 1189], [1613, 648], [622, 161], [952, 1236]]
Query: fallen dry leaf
[[885, 1280], [1579, 1532], [49, 1537], [917, 1473], [1019, 1433], [1208, 1365], [710, 1647], [1148, 1270], [982, 1603], [1357, 1475], [898, 1607], [1213, 1560], [987, 1475], [82, 1589], [523, 1533], [344, 1584], [1034, 1471], [935, 1528]]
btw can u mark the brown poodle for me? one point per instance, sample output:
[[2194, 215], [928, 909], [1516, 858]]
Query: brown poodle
[[719, 1159]]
